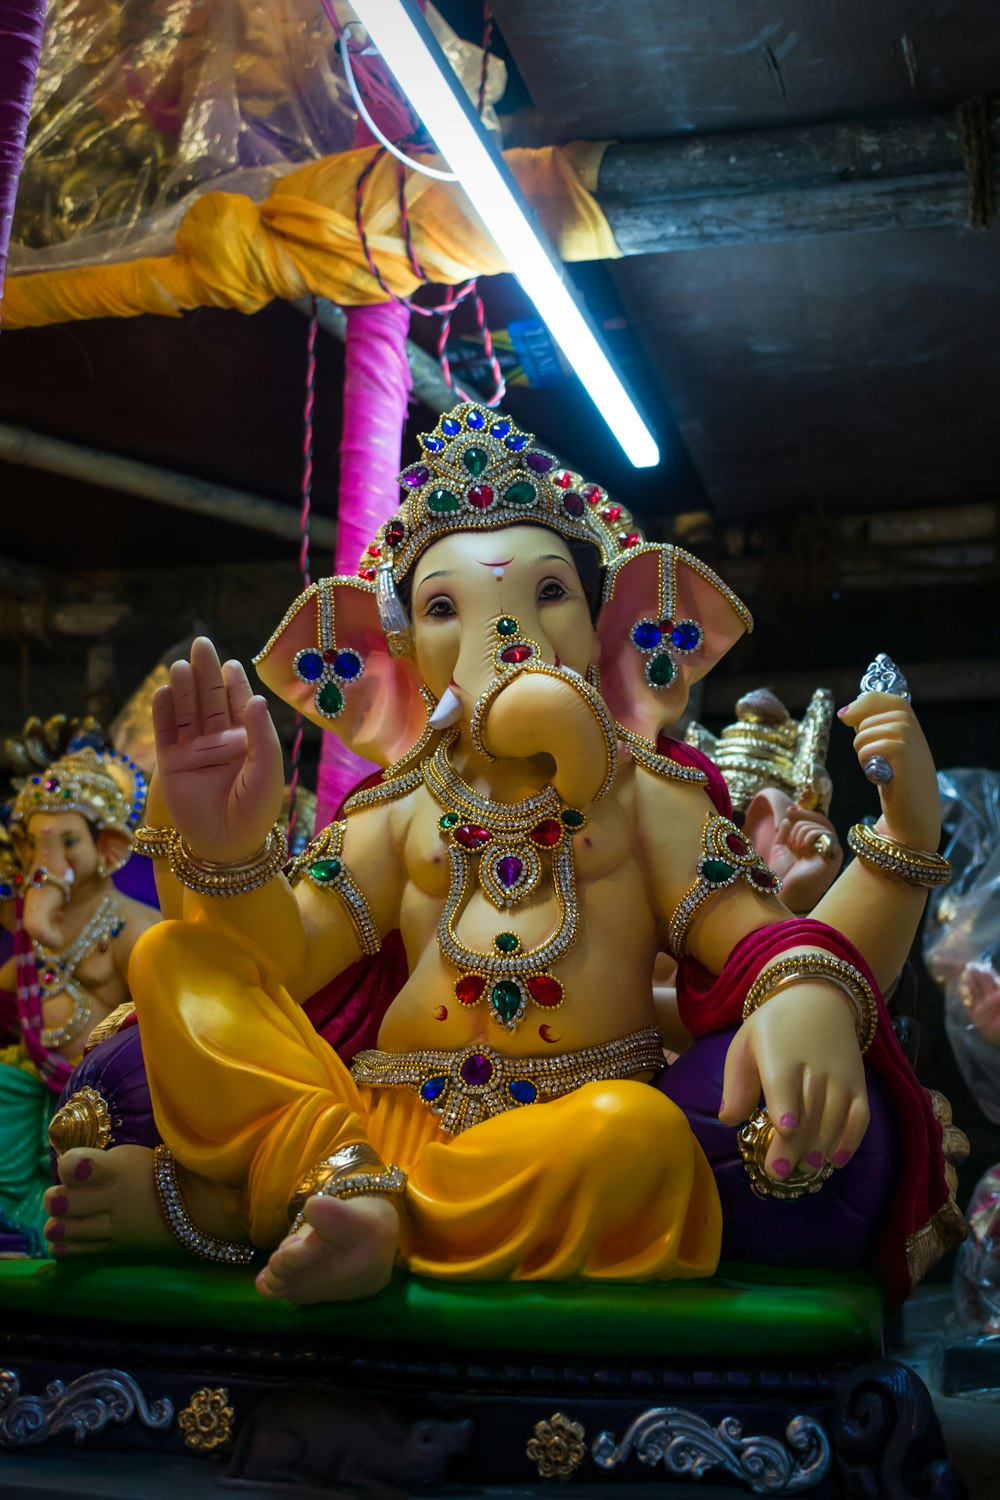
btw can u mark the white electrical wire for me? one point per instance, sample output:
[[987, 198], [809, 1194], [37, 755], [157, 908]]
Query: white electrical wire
[[359, 104]]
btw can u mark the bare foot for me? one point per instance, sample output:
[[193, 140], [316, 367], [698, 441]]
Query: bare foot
[[345, 1250], [106, 1201]]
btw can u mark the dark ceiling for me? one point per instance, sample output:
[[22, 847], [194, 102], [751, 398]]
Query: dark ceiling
[[839, 372]]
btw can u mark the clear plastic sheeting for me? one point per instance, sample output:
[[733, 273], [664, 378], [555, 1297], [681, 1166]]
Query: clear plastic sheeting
[[962, 931], [141, 104], [977, 1270]]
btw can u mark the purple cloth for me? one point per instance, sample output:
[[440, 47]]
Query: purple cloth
[[834, 1229], [116, 1070], [21, 25]]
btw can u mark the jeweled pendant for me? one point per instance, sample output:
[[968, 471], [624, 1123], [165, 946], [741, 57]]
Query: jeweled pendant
[[507, 1002], [509, 874]]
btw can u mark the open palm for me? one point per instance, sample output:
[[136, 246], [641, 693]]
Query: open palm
[[218, 756]]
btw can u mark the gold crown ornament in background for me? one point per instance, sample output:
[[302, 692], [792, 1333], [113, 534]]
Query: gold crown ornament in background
[[766, 747]]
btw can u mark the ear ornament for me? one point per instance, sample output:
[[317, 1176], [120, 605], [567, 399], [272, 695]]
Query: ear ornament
[[329, 669], [659, 640]]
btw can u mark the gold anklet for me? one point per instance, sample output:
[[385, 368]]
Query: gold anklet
[[350, 1172], [825, 969], [184, 1230], [226, 878], [888, 856]]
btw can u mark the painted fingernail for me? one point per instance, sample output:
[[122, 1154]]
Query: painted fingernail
[[55, 1231], [83, 1170], [59, 1206], [842, 711], [781, 1167], [722, 1106], [60, 1251], [789, 1121], [841, 1158], [815, 1160]]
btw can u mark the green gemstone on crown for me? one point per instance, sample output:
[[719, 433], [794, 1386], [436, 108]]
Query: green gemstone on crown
[[325, 870], [476, 460], [506, 942], [521, 493], [507, 625], [505, 998], [716, 870], [441, 502], [661, 671], [329, 699]]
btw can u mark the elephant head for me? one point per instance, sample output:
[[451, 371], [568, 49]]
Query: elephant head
[[513, 602], [72, 827]]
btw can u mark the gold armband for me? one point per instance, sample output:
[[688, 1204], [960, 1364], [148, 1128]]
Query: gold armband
[[321, 864], [727, 857], [187, 1233], [825, 969], [888, 856], [348, 1173]]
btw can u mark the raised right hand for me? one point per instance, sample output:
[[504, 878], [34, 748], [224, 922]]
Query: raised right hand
[[218, 757]]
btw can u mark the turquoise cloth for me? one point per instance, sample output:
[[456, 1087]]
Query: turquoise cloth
[[26, 1107]]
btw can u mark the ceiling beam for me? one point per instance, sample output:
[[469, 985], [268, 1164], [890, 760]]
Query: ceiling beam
[[779, 184]]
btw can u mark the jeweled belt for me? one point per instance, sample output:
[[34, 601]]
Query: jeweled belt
[[470, 1084]]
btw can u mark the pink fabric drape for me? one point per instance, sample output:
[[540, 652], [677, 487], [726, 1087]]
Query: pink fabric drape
[[376, 392], [21, 24]]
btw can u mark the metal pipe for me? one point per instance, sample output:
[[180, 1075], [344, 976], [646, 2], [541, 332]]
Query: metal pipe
[[35, 450]]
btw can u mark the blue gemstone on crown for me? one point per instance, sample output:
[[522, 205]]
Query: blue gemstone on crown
[[450, 427], [433, 1089], [687, 635], [475, 420], [517, 441], [432, 444], [499, 429], [522, 1091]]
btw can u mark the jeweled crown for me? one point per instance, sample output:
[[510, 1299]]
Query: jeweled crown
[[766, 747], [104, 787], [480, 471]]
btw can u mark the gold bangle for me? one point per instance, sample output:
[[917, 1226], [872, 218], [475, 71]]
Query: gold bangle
[[184, 1230], [348, 1173], [155, 843], [572, 679], [824, 968], [752, 1139], [888, 856], [208, 878]]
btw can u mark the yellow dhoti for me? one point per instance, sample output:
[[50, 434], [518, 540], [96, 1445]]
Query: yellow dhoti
[[607, 1182]]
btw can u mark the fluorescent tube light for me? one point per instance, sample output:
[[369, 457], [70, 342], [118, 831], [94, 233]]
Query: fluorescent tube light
[[411, 52]]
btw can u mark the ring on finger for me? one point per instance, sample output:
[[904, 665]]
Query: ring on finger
[[826, 846], [753, 1139]]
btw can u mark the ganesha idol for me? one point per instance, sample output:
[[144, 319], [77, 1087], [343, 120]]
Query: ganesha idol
[[513, 654], [72, 829]]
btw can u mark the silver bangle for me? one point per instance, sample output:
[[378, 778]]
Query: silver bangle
[[180, 1224]]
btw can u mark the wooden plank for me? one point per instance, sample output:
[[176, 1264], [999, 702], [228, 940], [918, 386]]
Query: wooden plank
[[929, 682]]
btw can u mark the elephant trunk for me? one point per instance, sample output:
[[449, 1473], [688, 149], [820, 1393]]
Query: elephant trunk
[[553, 714], [42, 905]]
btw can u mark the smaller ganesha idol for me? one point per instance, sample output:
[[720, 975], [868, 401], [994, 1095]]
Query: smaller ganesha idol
[[513, 654], [72, 828]]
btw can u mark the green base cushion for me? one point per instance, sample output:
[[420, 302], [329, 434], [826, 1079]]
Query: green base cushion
[[743, 1312]]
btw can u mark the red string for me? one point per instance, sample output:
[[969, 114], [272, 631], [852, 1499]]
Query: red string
[[307, 478]]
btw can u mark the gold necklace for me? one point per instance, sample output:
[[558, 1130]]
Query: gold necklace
[[57, 972]]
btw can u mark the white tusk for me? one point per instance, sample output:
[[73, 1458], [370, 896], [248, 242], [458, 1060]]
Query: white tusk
[[448, 711]]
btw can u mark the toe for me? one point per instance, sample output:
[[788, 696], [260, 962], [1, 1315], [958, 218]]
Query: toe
[[84, 1165]]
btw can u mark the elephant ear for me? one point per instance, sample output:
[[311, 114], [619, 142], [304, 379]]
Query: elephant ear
[[329, 658], [666, 619]]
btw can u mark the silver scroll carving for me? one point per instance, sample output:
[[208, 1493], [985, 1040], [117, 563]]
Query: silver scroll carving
[[688, 1445], [84, 1406]]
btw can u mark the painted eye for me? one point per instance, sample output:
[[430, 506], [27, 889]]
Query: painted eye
[[439, 609], [553, 589]]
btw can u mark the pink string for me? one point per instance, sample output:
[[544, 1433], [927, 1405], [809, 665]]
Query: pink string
[[307, 478]]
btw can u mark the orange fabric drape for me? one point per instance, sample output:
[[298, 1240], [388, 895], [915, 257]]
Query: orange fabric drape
[[302, 240]]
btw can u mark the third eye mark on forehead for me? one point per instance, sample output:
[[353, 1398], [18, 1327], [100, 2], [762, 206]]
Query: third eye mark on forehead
[[450, 573]]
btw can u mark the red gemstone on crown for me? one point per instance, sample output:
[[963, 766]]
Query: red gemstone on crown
[[591, 493], [736, 845], [368, 574], [572, 504], [544, 990], [469, 989], [481, 496], [394, 533], [471, 837], [514, 655], [612, 513], [374, 551], [547, 833], [563, 479], [630, 539]]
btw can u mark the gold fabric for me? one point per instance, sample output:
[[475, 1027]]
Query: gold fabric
[[303, 240], [605, 1183]]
